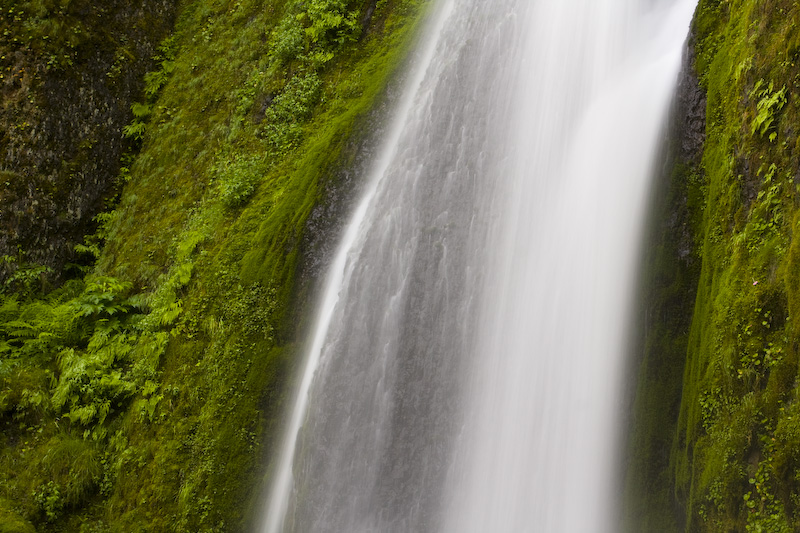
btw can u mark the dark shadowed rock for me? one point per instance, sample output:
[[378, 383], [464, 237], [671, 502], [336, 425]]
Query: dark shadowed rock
[[69, 78]]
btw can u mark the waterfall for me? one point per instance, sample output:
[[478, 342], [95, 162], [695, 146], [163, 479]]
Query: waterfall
[[465, 367]]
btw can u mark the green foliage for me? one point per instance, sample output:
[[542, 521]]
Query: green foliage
[[48, 500], [288, 39], [91, 385], [154, 81], [35, 329], [770, 102], [765, 512], [12, 522], [25, 278], [283, 122], [238, 178], [92, 244], [141, 113], [104, 297], [50, 26], [330, 22], [74, 469]]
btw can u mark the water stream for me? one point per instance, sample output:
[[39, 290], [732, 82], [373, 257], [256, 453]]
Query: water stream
[[465, 368]]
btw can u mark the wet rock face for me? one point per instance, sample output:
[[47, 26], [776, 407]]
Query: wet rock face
[[340, 194], [685, 151], [69, 76], [690, 112], [671, 269]]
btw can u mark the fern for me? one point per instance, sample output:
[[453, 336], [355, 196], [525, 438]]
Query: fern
[[331, 22], [769, 104]]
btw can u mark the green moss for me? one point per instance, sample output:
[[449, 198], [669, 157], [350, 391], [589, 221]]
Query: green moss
[[11, 521]]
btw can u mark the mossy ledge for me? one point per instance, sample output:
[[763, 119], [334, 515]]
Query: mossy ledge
[[143, 394]]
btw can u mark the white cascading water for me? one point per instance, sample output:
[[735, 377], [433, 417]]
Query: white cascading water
[[465, 371]]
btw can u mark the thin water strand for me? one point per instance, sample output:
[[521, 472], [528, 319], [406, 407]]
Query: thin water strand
[[282, 484]]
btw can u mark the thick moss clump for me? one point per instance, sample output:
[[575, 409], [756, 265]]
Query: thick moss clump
[[11, 522]]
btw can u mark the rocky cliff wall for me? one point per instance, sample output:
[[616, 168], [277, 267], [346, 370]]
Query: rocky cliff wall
[[69, 72]]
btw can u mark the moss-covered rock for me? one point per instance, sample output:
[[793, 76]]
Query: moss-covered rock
[[734, 454]]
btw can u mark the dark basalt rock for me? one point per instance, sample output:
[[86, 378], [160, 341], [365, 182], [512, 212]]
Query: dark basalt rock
[[668, 286], [685, 150], [690, 111], [62, 110]]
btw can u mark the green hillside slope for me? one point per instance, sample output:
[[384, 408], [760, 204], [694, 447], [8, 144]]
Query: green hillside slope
[[143, 395]]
